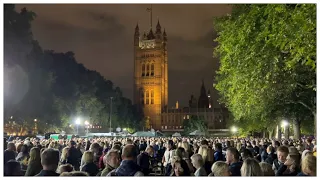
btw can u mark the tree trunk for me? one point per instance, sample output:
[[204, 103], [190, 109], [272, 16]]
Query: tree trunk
[[264, 134], [278, 132], [296, 128], [271, 133]]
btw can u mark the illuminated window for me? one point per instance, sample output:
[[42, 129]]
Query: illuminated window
[[152, 97], [161, 127], [143, 69], [184, 117], [148, 69], [152, 70], [165, 127], [147, 97], [187, 116], [180, 127]]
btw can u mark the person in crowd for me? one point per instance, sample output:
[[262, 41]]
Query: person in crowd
[[290, 167], [166, 160], [64, 156], [9, 153], [205, 153], [65, 168], [271, 156], [251, 167], [266, 169], [198, 164], [88, 164], [97, 152], [34, 166], [233, 159], [74, 156], [144, 160], [220, 168], [308, 166], [49, 162], [111, 161], [218, 156], [282, 153], [179, 168], [246, 154], [23, 157], [12, 168], [128, 166]]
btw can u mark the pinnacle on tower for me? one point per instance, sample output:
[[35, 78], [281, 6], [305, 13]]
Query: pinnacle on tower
[[158, 28], [164, 34], [144, 35], [150, 34], [137, 30]]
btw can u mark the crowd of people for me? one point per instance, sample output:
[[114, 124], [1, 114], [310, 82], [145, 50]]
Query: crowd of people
[[160, 156]]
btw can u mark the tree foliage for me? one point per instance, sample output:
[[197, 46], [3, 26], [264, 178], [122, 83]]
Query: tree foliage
[[193, 124], [52, 86], [268, 62]]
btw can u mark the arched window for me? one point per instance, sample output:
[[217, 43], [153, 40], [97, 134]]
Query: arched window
[[148, 69], [147, 97], [143, 69], [152, 70], [152, 97]]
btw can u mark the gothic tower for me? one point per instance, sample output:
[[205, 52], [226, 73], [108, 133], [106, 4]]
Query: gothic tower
[[151, 74]]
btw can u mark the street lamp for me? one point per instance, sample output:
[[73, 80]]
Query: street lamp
[[35, 126], [87, 126], [78, 121]]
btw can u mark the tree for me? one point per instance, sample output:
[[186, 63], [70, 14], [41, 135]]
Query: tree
[[194, 124], [52, 87], [267, 56]]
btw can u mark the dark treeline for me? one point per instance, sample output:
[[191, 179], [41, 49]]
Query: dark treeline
[[52, 87]]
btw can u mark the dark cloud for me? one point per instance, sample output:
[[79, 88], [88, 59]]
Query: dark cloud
[[101, 37]]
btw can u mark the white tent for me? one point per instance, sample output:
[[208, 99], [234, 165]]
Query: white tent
[[176, 135], [197, 133]]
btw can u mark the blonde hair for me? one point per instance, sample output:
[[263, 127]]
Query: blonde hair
[[219, 167], [251, 167], [266, 169], [197, 158], [203, 151], [87, 157], [35, 155], [64, 153], [309, 165], [185, 146]]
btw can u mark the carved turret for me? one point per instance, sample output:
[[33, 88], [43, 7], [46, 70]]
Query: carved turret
[[164, 36], [150, 35], [136, 35]]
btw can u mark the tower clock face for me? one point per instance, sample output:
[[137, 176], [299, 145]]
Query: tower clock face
[[147, 44]]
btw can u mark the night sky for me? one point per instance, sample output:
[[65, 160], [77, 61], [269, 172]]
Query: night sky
[[101, 36]]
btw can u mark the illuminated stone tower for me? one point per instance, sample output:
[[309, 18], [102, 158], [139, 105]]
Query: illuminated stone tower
[[151, 74]]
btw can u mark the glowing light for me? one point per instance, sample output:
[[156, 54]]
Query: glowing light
[[35, 120], [78, 121], [285, 123], [86, 123], [234, 129]]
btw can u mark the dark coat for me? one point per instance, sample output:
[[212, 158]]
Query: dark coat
[[235, 169], [47, 173], [91, 169]]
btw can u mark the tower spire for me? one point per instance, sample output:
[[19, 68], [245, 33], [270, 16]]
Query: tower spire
[[150, 10]]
